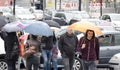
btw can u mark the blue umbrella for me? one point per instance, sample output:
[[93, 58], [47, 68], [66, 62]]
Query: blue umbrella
[[11, 27], [38, 28]]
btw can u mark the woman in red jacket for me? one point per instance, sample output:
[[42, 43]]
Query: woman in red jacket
[[89, 47]]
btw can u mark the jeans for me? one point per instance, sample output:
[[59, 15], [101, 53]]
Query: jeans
[[47, 58], [89, 65], [19, 61], [54, 60], [33, 61]]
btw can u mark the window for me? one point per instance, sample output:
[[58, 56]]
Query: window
[[117, 39], [60, 15], [105, 40], [106, 17]]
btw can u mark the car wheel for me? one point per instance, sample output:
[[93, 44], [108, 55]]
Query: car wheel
[[3, 65], [77, 64]]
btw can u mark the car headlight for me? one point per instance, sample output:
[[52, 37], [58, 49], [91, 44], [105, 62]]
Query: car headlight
[[114, 58]]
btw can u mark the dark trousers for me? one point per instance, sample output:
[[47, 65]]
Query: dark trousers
[[68, 61], [33, 61], [11, 64]]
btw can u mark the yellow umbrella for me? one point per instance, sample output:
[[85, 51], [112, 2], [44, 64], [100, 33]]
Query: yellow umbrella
[[83, 26]]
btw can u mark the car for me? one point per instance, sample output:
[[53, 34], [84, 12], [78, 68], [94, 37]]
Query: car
[[102, 24], [64, 16], [23, 14], [36, 12], [80, 15], [6, 12], [115, 61], [109, 46], [50, 12], [112, 17], [3, 64]]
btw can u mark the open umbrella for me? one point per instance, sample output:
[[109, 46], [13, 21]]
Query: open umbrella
[[15, 26], [3, 21], [11, 27], [38, 28], [52, 23], [83, 26]]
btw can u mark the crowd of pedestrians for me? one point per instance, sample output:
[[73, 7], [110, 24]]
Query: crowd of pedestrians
[[31, 49]]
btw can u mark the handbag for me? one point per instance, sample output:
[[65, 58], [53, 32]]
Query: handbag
[[54, 51]]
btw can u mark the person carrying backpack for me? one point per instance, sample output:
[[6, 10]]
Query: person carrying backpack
[[88, 45]]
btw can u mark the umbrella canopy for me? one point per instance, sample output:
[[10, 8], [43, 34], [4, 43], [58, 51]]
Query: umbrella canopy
[[52, 23], [11, 27], [60, 21], [16, 26], [83, 26], [38, 28], [3, 21]]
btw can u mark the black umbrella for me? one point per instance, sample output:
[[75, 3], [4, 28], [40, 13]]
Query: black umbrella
[[60, 21], [3, 21], [52, 23]]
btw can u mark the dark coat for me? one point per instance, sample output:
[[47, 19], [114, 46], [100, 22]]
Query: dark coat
[[48, 42], [10, 40], [68, 44]]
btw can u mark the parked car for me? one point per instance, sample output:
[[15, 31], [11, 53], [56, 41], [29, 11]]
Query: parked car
[[115, 61], [37, 13], [64, 16], [109, 46], [112, 17], [23, 14], [102, 24], [3, 64], [80, 15], [7, 13]]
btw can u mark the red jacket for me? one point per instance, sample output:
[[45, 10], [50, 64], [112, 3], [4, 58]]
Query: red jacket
[[91, 50]]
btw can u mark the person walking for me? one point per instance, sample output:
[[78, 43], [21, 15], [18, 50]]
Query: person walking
[[11, 42], [89, 47], [47, 45], [32, 53], [22, 40], [67, 45], [55, 52]]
